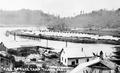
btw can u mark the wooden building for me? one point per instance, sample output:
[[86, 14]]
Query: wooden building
[[73, 57], [6, 62], [97, 65]]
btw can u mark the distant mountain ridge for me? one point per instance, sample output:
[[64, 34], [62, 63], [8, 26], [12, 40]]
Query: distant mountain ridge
[[25, 17], [95, 19]]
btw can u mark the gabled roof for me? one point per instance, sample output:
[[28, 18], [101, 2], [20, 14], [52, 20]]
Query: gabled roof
[[76, 52], [110, 65], [80, 67], [105, 64]]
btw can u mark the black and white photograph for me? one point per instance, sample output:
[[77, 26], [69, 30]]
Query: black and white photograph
[[59, 36]]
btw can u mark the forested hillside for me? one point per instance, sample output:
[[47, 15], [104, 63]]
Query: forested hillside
[[25, 17], [101, 20], [97, 19]]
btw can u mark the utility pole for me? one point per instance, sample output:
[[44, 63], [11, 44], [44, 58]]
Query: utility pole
[[14, 36], [66, 44]]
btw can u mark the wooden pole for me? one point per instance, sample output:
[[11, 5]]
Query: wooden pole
[[14, 36], [66, 44]]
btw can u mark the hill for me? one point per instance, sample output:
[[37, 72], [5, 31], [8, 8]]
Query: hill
[[98, 22], [25, 17], [101, 22], [95, 19]]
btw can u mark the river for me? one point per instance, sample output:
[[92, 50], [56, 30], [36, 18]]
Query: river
[[57, 45]]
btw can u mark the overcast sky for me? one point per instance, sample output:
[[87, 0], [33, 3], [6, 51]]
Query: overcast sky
[[60, 7]]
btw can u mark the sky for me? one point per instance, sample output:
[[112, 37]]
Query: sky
[[63, 8]]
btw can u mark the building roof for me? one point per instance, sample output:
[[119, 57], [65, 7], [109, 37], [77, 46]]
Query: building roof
[[3, 53], [83, 50], [29, 43], [77, 52], [31, 56], [12, 45], [110, 65], [19, 58], [80, 67]]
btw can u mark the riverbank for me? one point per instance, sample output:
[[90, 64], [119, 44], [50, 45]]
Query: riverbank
[[75, 39]]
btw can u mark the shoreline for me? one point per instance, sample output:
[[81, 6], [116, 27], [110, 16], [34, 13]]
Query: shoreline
[[66, 39]]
